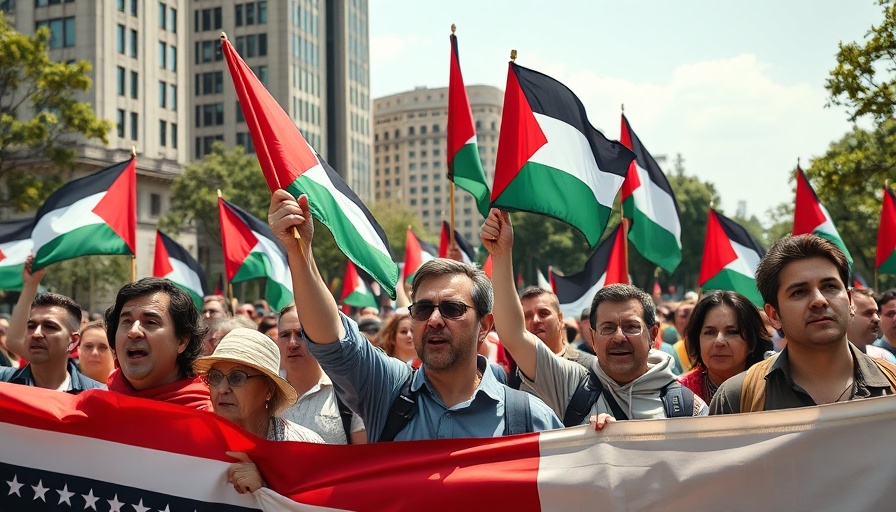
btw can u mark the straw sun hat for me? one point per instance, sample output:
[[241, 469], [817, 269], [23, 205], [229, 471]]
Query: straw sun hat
[[254, 349]]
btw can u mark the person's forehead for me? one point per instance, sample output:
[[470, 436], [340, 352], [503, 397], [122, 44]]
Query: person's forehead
[[889, 306], [809, 270], [290, 318], [213, 304], [53, 313], [862, 302], [540, 301], [150, 301], [610, 311], [453, 284]]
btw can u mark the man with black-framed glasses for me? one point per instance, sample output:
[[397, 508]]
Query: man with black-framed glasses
[[628, 380], [453, 394]]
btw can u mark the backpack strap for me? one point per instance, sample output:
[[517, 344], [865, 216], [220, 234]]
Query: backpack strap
[[752, 394], [403, 409], [582, 400], [345, 414], [678, 400], [889, 370], [517, 414]]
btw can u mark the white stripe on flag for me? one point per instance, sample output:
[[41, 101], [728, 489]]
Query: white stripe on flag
[[574, 309], [746, 262], [568, 151], [279, 266], [66, 220], [16, 252], [657, 204], [184, 275]]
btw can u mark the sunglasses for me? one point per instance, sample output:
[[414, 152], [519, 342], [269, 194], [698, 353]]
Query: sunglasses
[[236, 378], [421, 311]]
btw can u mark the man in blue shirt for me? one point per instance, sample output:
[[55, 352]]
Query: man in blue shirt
[[455, 393]]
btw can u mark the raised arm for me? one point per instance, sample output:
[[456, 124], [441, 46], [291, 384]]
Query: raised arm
[[315, 305], [510, 322], [21, 312]]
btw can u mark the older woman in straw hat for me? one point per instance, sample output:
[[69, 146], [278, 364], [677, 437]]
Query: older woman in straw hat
[[246, 389]]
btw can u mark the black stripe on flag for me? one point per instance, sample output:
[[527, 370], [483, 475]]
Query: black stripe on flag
[[78, 189], [571, 288], [553, 99], [739, 234], [14, 230], [177, 251], [647, 162]]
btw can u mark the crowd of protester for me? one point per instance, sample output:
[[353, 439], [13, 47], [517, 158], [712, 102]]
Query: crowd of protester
[[463, 355]]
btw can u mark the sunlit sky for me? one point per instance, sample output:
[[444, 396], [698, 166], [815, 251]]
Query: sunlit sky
[[737, 88]]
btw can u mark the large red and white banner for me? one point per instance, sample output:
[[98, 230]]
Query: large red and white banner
[[105, 452]]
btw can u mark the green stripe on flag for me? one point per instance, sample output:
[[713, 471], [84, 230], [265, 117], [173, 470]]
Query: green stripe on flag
[[889, 265], [469, 175], [836, 240], [548, 191], [257, 266], [11, 277], [653, 242], [84, 241], [733, 281]]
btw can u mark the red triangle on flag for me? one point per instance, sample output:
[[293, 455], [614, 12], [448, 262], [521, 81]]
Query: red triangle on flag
[[237, 239], [460, 118], [487, 266], [632, 180], [886, 231], [349, 284], [807, 213], [444, 241], [717, 250], [161, 264], [118, 208], [412, 256], [520, 137]]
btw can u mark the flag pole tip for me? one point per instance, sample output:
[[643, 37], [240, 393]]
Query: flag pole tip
[[513, 56], [223, 36], [712, 205], [622, 107], [453, 28], [133, 150], [219, 194]]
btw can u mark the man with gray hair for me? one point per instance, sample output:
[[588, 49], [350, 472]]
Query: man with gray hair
[[628, 380], [453, 394]]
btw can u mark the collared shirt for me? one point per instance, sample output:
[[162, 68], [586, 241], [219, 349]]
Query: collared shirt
[[781, 392], [369, 381], [885, 344], [318, 410], [79, 382]]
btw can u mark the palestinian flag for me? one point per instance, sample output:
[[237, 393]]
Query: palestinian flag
[[811, 217], [355, 292], [551, 160], [730, 258], [176, 264], [288, 162], [469, 254], [857, 280], [96, 214], [15, 246], [885, 260], [648, 200], [252, 252], [464, 164], [606, 266], [417, 253]]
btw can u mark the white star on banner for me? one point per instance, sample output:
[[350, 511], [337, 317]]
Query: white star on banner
[[40, 491], [14, 486], [89, 500], [65, 495], [114, 504], [166, 509], [140, 508]]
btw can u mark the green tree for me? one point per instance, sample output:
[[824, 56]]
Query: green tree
[[39, 114], [395, 217], [89, 280], [540, 241], [694, 197], [863, 80]]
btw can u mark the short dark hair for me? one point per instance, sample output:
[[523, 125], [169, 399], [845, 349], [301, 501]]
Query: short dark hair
[[537, 291], [72, 319], [795, 248], [586, 314], [624, 293], [483, 293], [749, 325], [886, 297], [181, 308]]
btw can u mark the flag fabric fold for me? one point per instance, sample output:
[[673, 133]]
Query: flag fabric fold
[[885, 256], [811, 217], [96, 214], [648, 200], [464, 164], [174, 263], [417, 252], [288, 162], [606, 266], [48, 436], [730, 257], [15, 247], [251, 251], [551, 160], [467, 251]]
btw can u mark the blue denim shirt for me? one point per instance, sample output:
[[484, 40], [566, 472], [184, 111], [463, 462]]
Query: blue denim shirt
[[369, 381], [80, 382]]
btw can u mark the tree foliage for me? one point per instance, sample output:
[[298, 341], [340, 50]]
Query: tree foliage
[[89, 280], [39, 113], [395, 217], [540, 241]]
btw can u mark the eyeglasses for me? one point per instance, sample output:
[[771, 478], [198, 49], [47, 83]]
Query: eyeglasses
[[421, 311], [627, 330], [236, 378]]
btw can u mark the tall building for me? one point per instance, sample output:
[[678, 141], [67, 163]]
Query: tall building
[[409, 153], [160, 76]]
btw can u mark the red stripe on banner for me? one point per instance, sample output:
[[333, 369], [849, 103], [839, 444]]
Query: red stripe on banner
[[119, 206], [161, 264]]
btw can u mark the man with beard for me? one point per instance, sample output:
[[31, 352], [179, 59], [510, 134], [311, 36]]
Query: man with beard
[[453, 394], [802, 281], [627, 381]]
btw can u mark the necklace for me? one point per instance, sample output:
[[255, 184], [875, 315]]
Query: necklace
[[848, 387]]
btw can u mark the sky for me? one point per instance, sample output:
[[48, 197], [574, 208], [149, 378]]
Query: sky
[[736, 88]]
